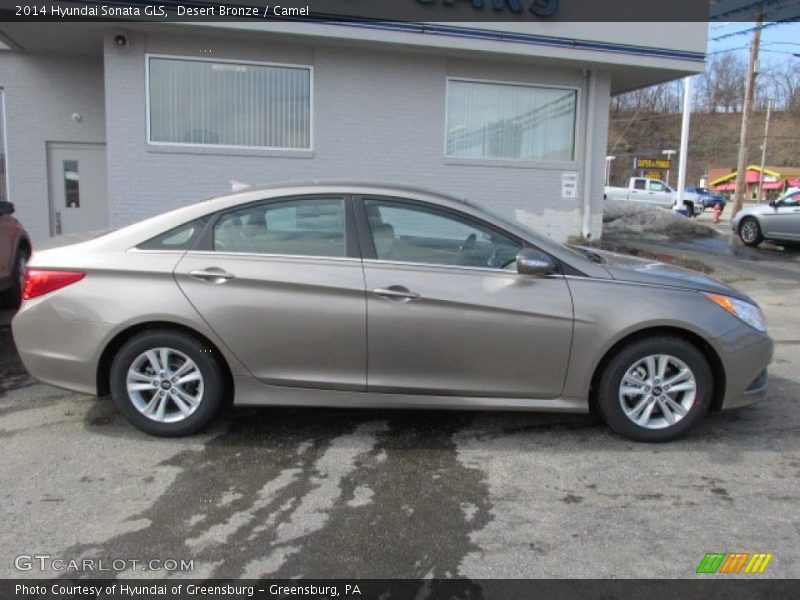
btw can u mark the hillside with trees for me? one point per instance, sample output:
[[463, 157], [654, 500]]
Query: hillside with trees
[[647, 121]]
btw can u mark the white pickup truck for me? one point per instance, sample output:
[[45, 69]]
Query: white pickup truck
[[652, 191]]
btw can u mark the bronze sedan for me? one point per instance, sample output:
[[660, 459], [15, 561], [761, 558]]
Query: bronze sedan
[[373, 295]]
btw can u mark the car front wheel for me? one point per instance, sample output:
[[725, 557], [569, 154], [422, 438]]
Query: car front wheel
[[655, 389], [750, 232], [167, 383]]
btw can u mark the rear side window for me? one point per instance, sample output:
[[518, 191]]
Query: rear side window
[[182, 237], [639, 184], [304, 227]]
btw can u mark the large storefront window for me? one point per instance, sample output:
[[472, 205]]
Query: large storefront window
[[510, 121], [229, 104]]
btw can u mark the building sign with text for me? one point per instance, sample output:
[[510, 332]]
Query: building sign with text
[[641, 164], [538, 8]]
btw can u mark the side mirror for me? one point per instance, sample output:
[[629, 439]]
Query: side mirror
[[6, 208], [773, 204], [533, 262]]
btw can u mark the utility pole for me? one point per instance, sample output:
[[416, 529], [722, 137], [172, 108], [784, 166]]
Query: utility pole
[[741, 165], [764, 153]]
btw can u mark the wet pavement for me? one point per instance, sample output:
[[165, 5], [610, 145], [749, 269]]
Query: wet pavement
[[335, 493]]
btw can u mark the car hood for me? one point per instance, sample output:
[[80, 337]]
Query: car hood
[[639, 270]]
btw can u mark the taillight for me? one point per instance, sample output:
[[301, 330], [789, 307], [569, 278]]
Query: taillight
[[39, 281]]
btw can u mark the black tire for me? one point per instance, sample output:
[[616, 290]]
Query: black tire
[[12, 297], [748, 238], [213, 381], [609, 389]]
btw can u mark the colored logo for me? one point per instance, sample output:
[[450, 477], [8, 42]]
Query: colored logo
[[734, 563]]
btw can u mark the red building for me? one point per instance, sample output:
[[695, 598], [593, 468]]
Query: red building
[[776, 181]]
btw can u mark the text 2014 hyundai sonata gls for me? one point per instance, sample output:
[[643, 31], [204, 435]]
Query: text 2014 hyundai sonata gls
[[381, 296]]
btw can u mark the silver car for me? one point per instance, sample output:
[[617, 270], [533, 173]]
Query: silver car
[[778, 221], [372, 295]]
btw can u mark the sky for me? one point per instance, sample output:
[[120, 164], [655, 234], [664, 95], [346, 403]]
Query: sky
[[778, 41]]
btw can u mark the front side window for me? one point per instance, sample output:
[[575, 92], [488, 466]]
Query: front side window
[[793, 200], [509, 121], [657, 186], [415, 233], [229, 104], [308, 227]]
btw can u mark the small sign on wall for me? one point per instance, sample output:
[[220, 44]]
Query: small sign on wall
[[569, 185]]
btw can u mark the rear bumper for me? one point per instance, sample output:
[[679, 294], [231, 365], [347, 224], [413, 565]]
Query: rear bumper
[[57, 349]]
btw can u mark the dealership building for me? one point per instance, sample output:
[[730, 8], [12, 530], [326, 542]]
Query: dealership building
[[105, 124]]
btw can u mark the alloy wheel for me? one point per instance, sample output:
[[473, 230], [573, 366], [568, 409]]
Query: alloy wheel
[[165, 385], [749, 231], [657, 391]]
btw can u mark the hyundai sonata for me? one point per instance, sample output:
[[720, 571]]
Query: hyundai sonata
[[381, 296]]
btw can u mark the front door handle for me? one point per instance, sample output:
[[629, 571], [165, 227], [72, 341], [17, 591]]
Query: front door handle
[[212, 275], [396, 292]]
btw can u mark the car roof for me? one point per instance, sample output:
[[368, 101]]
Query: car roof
[[337, 186]]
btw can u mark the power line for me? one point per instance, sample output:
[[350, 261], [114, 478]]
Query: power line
[[769, 8], [752, 29]]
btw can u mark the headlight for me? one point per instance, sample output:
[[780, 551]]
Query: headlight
[[749, 313]]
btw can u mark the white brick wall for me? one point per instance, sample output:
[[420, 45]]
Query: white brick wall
[[41, 94], [378, 115]]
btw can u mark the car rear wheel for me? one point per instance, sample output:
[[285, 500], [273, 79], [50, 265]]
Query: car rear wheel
[[167, 383], [655, 389], [12, 297], [750, 232]]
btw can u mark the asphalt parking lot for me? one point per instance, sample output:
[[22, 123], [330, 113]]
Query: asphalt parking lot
[[333, 493]]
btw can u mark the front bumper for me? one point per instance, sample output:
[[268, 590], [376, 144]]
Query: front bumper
[[745, 355]]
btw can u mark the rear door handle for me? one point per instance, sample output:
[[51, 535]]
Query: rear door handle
[[396, 292], [212, 275]]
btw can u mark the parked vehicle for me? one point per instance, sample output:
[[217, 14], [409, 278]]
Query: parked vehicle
[[368, 295], [778, 221], [15, 249], [652, 191], [706, 197]]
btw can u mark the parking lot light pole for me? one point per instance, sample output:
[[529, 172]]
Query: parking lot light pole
[[687, 115], [608, 168], [669, 154]]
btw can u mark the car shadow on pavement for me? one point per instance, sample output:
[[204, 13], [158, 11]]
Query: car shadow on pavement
[[299, 492], [291, 492]]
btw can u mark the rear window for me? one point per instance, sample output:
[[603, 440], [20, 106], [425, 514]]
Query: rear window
[[182, 237]]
